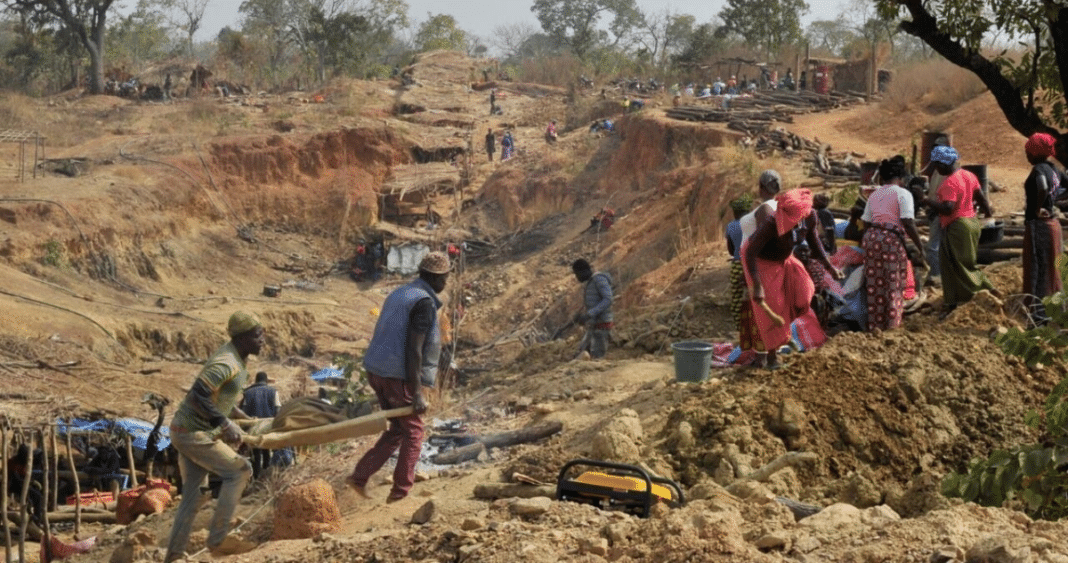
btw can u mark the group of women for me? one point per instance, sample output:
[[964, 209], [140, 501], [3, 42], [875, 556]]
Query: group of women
[[772, 290]]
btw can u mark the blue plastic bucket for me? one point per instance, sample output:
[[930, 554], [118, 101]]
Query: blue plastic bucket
[[693, 360]]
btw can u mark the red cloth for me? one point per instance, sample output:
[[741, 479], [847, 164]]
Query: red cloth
[[62, 550], [404, 432], [1041, 144], [958, 187], [788, 291], [794, 206]]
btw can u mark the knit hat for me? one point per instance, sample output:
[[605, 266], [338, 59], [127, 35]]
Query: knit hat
[[944, 155], [435, 263], [743, 202], [1041, 144], [242, 322]]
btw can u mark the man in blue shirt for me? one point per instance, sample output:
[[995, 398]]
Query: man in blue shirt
[[402, 358]]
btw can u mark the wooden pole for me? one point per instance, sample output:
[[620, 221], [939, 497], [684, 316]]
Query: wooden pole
[[77, 484], [133, 465], [25, 495], [3, 499], [45, 495], [55, 466]]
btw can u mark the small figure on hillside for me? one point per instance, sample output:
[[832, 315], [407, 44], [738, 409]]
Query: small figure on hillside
[[493, 101], [491, 144], [596, 313], [961, 276], [205, 436], [261, 401], [802, 82], [167, 88], [507, 146], [550, 132], [401, 359], [602, 220]]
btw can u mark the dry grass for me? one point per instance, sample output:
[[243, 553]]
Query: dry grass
[[16, 111], [935, 86]]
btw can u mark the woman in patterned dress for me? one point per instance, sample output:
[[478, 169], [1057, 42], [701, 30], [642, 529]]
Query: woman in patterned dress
[[888, 217]]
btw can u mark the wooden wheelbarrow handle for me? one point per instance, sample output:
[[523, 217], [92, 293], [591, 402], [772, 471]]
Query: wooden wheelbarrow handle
[[373, 423]]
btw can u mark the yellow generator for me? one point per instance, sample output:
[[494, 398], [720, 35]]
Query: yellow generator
[[616, 486]]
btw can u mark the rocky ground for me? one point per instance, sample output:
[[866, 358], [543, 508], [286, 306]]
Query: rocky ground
[[133, 297]]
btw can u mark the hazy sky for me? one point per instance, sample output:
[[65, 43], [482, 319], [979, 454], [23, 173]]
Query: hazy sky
[[482, 16]]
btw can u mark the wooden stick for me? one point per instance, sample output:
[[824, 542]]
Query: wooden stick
[[521, 436], [77, 484], [106, 517], [130, 459], [45, 482], [3, 499], [25, 495], [55, 466]]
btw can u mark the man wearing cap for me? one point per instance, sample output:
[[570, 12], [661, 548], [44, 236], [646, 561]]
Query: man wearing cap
[[961, 277], [260, 401], [401, 358], [205, 439], [1043, 242], [596, 311]]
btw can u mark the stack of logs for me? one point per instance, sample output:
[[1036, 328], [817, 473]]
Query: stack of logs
[[754, 114], [832, 167]]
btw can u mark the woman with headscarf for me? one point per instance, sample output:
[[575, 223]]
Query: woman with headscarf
[[888, 217], [749, 340], [961, 277], [1042, 232], [739, 206], [780, 288]]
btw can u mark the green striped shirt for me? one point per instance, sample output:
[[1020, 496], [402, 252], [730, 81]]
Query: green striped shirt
[[226, 375]]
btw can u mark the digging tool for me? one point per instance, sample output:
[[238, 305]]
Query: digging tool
[[365, 425], [563, 330], [682, 304]]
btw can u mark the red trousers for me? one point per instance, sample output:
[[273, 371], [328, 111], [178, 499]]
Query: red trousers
[[405, 432]]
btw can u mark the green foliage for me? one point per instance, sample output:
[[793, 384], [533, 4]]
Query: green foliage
[[54, 255], [575, 23], [353, 392], [1033, 473], [769, 23], [440, 31]]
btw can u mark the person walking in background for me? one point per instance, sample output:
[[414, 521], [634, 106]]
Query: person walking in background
[[550, 132], [888, 217], [934, 234], [507, 145], [961, 277], [1042, 231], [491, 144], [401, 359], [493, 101], [780, 287], [596, 313], [205, 436], [260, 401]]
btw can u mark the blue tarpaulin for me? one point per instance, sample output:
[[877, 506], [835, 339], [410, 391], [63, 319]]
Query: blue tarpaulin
[[328, 373], [137, 429]]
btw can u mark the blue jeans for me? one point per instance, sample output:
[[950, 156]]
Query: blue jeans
[[198, 455]]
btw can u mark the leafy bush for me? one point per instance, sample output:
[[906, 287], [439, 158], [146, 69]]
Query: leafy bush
[[54, 255], [353, 393], [1032, 473]]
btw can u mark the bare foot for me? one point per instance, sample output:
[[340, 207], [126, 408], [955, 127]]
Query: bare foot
[[350, 482]]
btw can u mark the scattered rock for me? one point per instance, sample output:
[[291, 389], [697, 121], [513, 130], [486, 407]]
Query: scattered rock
[[305, 511], [947, 554], [530, 507], [425, 513], [833, 517], [470, 524], [996, 549], [598, 546], [777, 540]]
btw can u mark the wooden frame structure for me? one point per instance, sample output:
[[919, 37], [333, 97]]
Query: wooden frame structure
[[23, 137]]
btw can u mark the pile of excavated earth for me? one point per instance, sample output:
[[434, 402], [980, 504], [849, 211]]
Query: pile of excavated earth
[[118, 281]]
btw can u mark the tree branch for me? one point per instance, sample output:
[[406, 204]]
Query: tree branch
[[1008, 96]]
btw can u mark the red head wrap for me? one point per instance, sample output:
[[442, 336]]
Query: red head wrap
[[794, 206], [1041, 144]]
